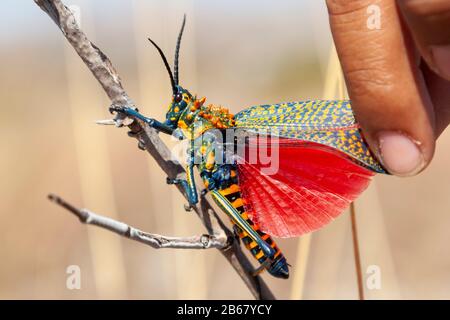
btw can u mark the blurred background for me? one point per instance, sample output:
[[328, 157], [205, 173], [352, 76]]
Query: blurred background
[[235, 53]]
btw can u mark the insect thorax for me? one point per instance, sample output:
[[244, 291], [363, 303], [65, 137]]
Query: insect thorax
[[198, 118], [220, 117], [205, 126]]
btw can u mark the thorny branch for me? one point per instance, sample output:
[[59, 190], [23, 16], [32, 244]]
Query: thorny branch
[[102, 69]]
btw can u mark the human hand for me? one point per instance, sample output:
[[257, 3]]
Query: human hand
[[398, 76]]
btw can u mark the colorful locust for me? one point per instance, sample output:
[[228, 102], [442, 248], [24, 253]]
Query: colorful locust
[[323, 164]]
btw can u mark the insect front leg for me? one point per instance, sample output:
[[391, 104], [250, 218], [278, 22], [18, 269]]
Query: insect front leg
[[188, 186], [132, 113]]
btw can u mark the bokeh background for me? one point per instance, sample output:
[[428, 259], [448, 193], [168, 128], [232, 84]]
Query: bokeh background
[[235, 53]]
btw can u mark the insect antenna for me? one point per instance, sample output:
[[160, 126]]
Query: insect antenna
[[172, 82], [177, 50]]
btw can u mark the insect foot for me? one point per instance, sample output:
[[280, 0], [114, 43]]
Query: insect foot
[[117, 109], [172, 181], [123, 109]]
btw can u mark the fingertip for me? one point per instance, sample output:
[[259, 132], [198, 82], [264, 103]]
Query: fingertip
[[400, 154]]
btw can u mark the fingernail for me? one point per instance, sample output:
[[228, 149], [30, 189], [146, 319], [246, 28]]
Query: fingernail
[[441, 57], [399, 154]]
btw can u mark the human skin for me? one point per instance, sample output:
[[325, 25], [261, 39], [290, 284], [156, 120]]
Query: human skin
[[398, 76]]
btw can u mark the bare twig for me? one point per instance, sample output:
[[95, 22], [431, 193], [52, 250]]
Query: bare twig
[[156, 241], [103, 71]]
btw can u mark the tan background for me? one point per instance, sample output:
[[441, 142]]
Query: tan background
[[236, 54]]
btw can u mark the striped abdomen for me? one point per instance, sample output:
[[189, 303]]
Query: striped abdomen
[[278, 267]]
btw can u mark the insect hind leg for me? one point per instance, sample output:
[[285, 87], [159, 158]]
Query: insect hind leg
[[228, 208]]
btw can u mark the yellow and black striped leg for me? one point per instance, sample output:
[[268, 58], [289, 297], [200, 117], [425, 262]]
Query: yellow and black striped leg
[[228, 208]]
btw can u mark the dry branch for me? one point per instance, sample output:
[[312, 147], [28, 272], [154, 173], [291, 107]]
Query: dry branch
[[204, 241], [102, 69]]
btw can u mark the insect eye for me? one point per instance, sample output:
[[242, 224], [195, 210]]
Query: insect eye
[[178, 97]]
